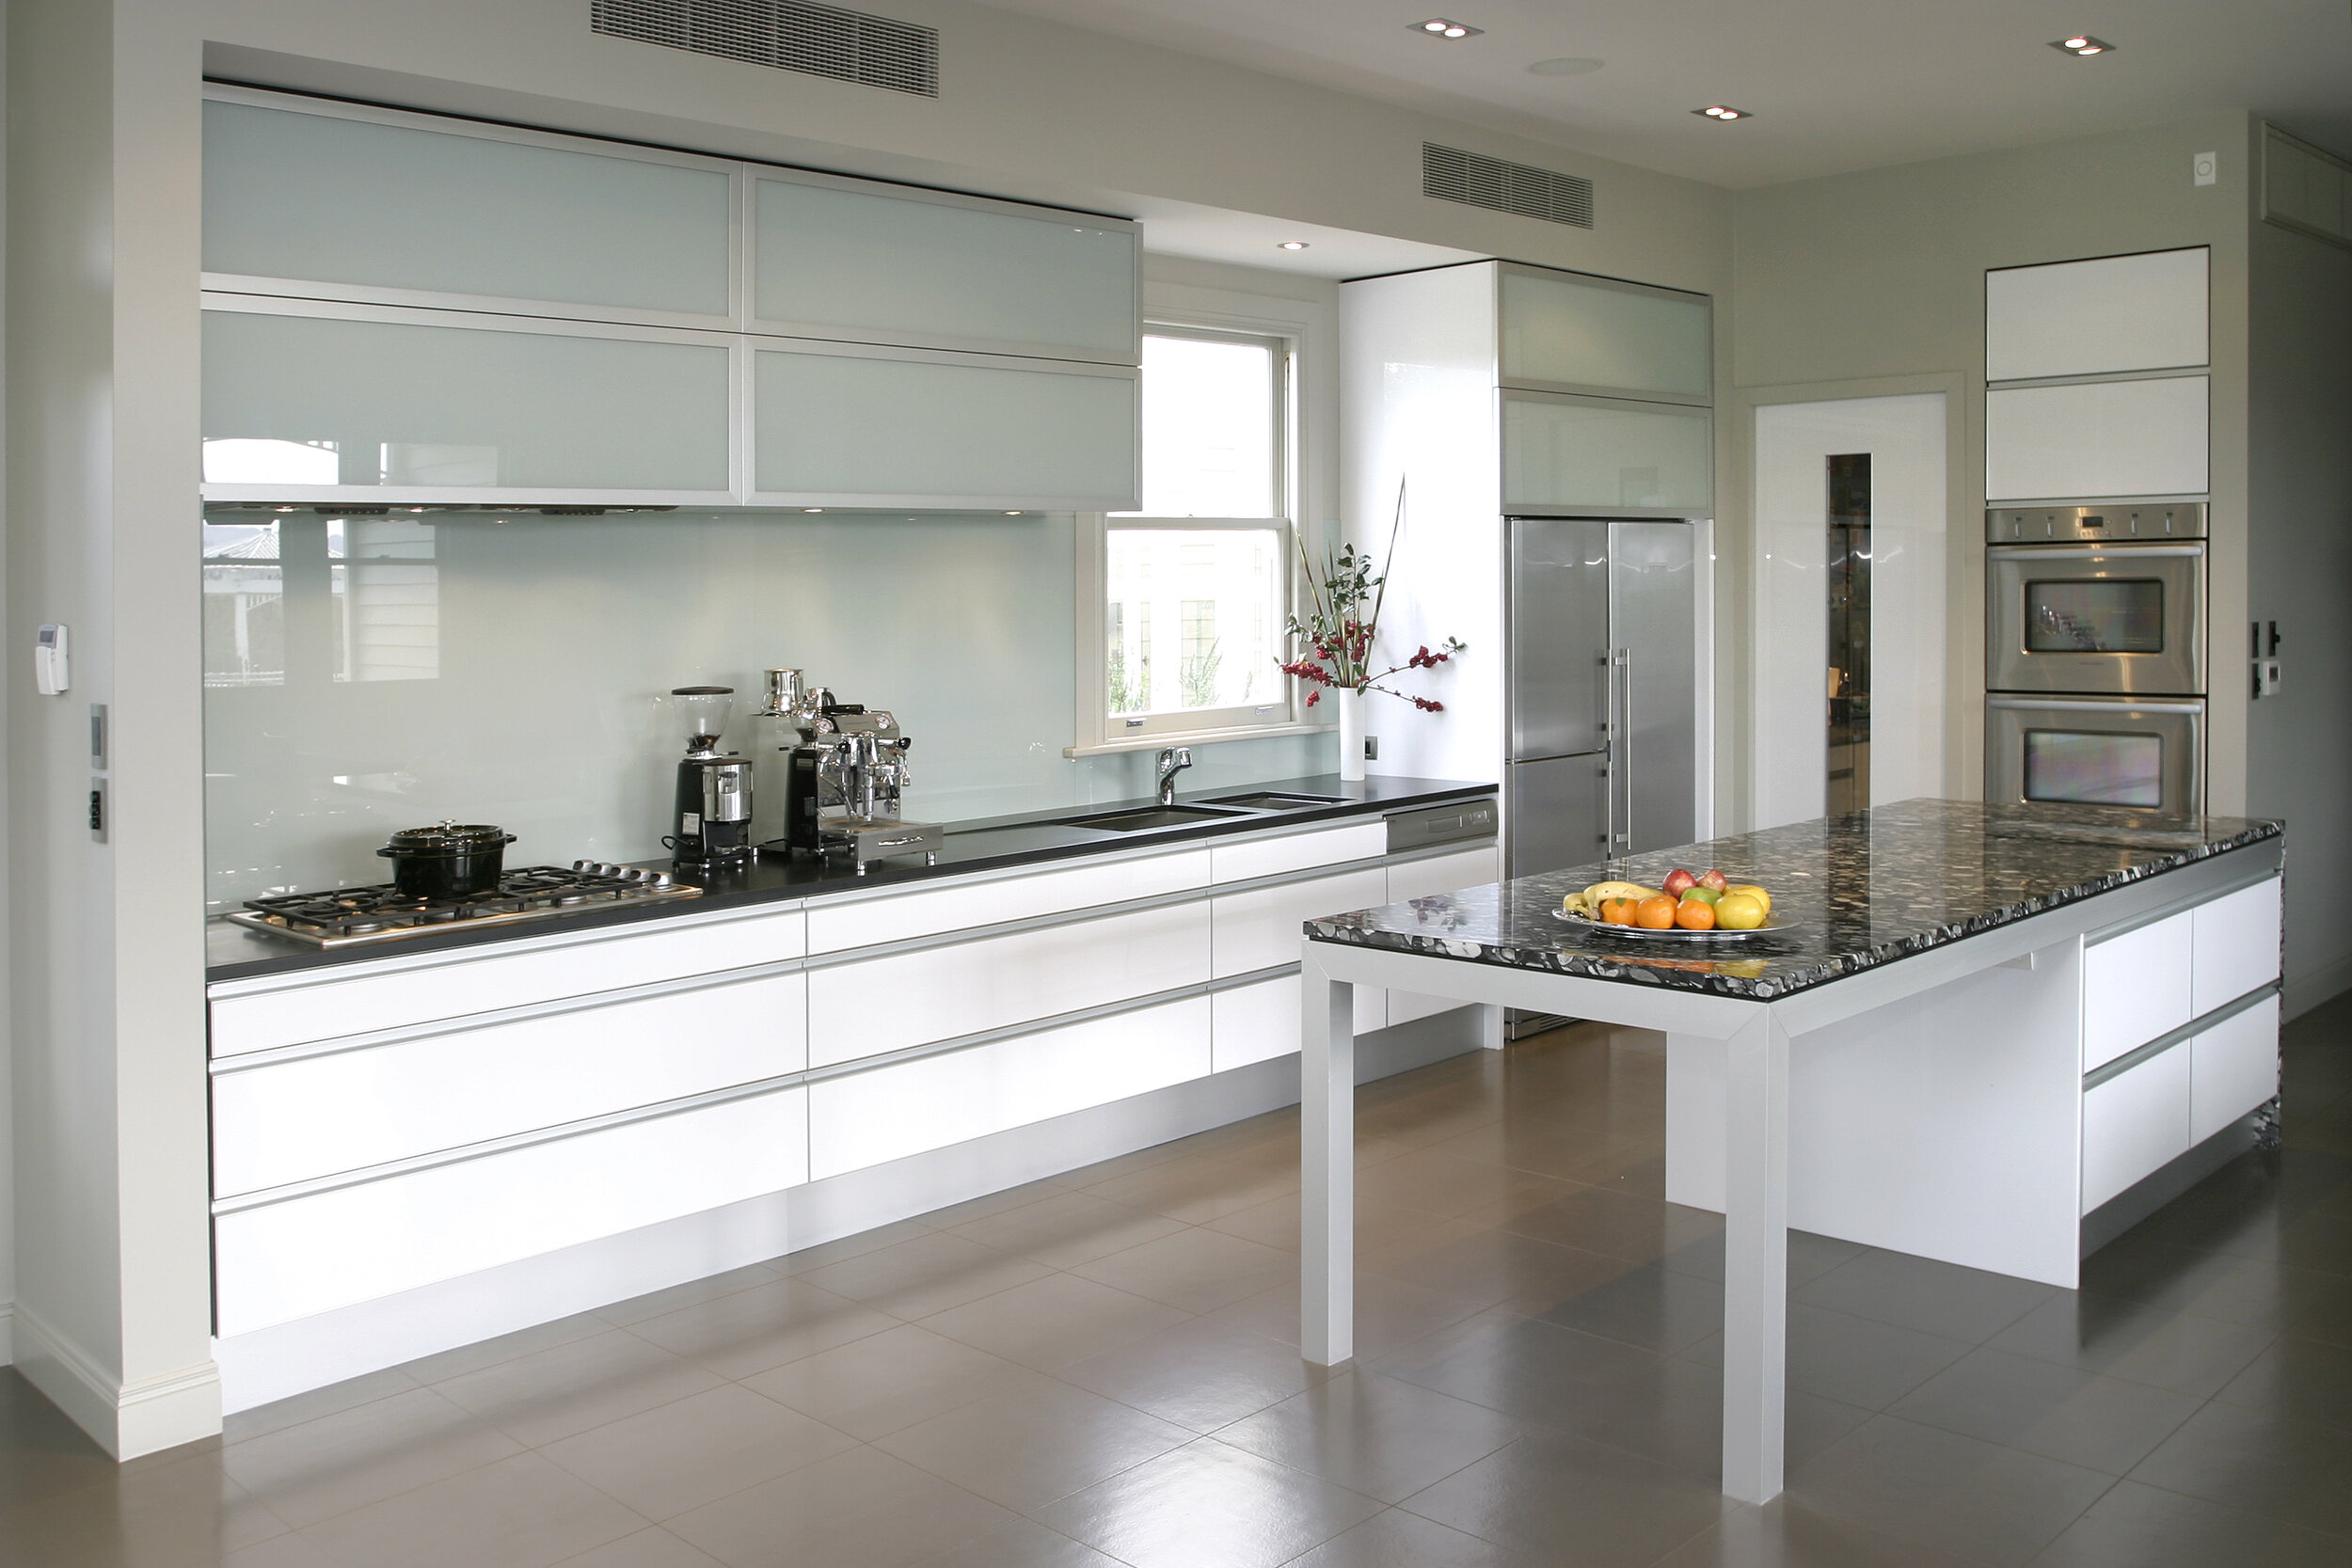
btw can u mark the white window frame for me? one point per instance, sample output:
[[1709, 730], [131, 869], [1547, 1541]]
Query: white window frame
[[1295, 325]]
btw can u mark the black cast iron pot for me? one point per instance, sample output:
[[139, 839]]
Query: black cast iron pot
[[452, 859]]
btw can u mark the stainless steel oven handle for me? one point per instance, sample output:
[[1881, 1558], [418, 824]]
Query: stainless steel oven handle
[[2059, 705], [2093, 552]]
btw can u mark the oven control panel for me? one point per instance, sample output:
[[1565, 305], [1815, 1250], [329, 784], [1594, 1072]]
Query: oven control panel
[[2124, 521]]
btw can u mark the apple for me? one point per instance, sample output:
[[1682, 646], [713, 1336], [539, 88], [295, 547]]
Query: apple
[[1715, 880], [1678, 881], [1700, 894]]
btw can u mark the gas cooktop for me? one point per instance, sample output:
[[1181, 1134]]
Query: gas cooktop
[[348, 916]]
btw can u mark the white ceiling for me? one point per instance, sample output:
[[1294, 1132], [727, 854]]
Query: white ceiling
[[1835, 84]]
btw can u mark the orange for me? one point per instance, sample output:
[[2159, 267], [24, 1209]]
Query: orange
[[1617, 912], [1695, 914], [1657, 914]]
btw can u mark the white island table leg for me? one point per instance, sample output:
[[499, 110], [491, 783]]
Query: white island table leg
[[1326, 1131], [1755, 1258]]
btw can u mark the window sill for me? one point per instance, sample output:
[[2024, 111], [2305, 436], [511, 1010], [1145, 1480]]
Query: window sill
[[1191, 738]]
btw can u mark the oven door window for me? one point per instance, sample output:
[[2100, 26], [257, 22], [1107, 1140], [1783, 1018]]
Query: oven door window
[[2095, 615], [2094, 769]]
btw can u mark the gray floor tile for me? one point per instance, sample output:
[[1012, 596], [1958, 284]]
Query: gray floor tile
[[2101, 1423], [694, 1292], [1672, 1412], [282, 1551], [2134, 1341], [1200, 1373], [2305, 1379], [749, 1331], [886, 1382], [2146, 1527], [177, 1510], [1276, 1222], [1649, 1305], [506, 1347], [1068, 1228], [1495, 1268], [863, 1509], [1447, 1186], [2261, 1461], [43, 1454], [925, 1274], [1389, 1313], [1809, 1256], [1574, 1504], [708, 1446], [1785, 1533], [1922, 1293], [279, 1414], [1852, 1361], [826, 1253], [575, 1385], [1618, 1224], [1532, 1370], [1948, 1491], [1381, 1436], [1195, 1269], [1396, 1539], [648, 1548], [519, 1512], [1208, 1503], [1025, 1449], [357, 1456], [1055, 1322], [1023, 1544]]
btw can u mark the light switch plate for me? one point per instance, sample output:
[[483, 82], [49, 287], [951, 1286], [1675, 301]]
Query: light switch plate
[[2205, 168]]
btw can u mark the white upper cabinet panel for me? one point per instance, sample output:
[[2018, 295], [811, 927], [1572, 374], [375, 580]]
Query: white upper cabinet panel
[[2098, 438], [867, 266], [2144, 312], [912, 429], [1565, 331], [375, 397], [1580, 452], [393, 206]]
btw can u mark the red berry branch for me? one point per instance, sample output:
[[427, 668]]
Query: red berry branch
[[1338, 631]]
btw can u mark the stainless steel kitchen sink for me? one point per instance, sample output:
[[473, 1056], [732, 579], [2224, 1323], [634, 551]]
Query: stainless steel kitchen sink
[[1274, 800], [1148, 816]]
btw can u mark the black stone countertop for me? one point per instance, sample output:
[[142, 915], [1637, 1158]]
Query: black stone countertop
[[990, 844], [1849, 893]]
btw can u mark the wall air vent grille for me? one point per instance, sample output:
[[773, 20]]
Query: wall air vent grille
[[1451, 174], [790, 35]]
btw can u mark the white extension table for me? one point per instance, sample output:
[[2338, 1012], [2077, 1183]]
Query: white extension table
[[1914, 1019]]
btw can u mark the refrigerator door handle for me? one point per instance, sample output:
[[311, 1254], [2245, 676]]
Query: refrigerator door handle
[[1620, 750]]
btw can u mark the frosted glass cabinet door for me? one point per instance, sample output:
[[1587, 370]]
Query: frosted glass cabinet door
[[919, 430], [390, 402], [833, 261], [1565, 331], [1584, 451], [381, 206]]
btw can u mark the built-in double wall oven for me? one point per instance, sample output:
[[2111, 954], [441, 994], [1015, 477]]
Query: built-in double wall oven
[[2095, 657]]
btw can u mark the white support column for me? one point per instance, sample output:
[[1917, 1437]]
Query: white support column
[[1327, 1132], [1755, 1258]]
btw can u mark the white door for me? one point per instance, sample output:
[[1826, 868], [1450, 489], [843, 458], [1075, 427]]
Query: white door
[[1794, 441]]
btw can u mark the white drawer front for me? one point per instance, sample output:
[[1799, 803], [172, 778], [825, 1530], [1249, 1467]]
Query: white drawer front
[[318, 1116], [2133, 1124], [836, 927], [2134, 988], [894, 1112], [2234, 1068], [1255, 1022], [472, 985], [2236, 945], [1258, 930], [311, 1255], [876, 1004], [1272, 857]]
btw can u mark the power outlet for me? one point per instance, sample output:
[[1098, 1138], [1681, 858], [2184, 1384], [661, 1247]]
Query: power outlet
[[1371, 748], [2205, 168]]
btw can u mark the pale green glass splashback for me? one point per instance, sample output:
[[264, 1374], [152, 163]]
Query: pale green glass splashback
[[528, 655]]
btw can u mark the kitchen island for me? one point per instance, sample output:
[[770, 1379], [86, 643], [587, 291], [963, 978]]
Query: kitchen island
[[1991, 1035]]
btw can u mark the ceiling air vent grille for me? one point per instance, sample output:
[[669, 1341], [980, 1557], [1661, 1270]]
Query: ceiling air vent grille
[[1451, 174], [790, 35]]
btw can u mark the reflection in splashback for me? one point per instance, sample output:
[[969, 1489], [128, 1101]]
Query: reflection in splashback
[[370, 673]]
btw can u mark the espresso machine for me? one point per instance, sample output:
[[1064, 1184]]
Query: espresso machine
[[845, 777], [713, 812]]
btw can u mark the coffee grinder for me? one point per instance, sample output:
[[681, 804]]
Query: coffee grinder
[[713, 814]]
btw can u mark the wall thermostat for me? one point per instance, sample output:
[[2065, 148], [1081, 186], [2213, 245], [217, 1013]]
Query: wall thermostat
[[2205, 168], [51, 674]]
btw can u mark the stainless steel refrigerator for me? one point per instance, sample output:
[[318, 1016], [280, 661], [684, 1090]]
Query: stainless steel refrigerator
[[1604, 690]]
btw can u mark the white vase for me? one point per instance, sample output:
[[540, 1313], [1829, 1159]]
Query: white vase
[[1351, 734]]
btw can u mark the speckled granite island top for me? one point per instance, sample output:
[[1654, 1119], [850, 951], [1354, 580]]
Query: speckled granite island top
[[1849, 893]]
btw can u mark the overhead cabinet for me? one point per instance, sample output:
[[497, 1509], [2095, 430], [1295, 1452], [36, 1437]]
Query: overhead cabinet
[[2096, 438], [1570, 333], [404, 307], [1612, 453], [2114, 313]]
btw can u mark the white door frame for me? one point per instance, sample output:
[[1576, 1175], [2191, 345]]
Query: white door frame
[[1964, 601]]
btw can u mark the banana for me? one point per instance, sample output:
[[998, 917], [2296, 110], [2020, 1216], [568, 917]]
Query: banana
[[1600, 891]]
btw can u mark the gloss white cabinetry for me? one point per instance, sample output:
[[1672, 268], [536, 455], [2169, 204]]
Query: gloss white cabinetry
[[1300, 852], [2143, 312], [2096, 439], [852, 426], [2134, 1123], [311, 1116], [2234, 1068], [837, 924], [311, 1255], [1570, 332], [867, 1006], [1260, 929], [865, 263], [1423, 880], [2135, 986], [2235, 946], [929, 1104], [1603, 452], [258, 1015]]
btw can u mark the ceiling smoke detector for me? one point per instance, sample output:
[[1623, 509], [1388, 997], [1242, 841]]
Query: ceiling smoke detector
[[2082, 43], [1446, 27], [1724, 111]]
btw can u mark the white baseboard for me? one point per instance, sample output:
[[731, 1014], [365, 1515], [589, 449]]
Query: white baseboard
[[8, 1334], [128, 1420], [284, 1359]]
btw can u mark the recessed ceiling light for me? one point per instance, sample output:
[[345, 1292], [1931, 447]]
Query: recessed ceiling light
[[812, 509], [1723, 111], [2082, 43], [1568, 65], [1446, 27], [1291, 245]]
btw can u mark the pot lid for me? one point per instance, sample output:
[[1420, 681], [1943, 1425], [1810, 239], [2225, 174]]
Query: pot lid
[[449, 836]]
